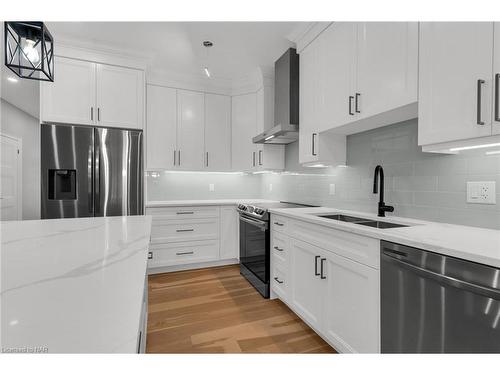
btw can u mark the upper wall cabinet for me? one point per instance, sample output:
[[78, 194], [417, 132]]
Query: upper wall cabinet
[[93, 94], [217, 132], [71, 98], [457, 93], [244, 125], [190, 129]]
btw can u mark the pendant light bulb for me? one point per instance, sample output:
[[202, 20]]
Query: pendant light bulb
[[30, 51], [207, 72], [207, 44]]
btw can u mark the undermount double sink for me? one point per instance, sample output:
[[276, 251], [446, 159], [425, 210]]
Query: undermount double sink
[[362, 221]]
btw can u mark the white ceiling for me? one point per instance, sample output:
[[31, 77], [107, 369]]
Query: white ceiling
[[239, 47]]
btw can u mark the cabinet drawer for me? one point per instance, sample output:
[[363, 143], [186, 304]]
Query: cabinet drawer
[[279, 248], [365, 250], [183, 212], [279, 282], [183, 253], [163, 231], [278, 223]]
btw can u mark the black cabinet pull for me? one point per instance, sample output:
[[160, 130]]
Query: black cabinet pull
[[260, 157], [91, 113], [278, 224], [316, 273], [356, 104], [277, 248], [322, 266], [497, 97], [185, 230], [253, 159], [480, 83], [185, 253], [150, 255], [313, 148], [351, 98], [185, 213], [98, 114], [278, 280]]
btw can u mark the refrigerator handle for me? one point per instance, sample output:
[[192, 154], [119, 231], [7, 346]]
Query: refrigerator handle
[[90, 179], [97, 178]]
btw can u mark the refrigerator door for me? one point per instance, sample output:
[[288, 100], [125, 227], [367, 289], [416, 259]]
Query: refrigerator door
[[118, 172], [66, 171]]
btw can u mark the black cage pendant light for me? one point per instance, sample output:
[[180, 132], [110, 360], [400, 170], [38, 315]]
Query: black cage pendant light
[[29, 50]]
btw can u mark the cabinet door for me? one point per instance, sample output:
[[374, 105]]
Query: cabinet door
[[229, 237], [161, 127], [454, 57], [496, 77], [307, 113], [71, 98], [120, 97], [336, 69], [190, 129], [351, 310], [307, 289], [244, 117], [217, 132], [387, 59]]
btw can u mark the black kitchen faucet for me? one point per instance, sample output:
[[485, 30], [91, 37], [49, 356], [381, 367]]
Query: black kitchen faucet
[[382, 208]]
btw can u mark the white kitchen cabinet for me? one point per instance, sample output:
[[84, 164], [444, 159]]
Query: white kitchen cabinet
[[71, 98], [307, 289], [120, 97], [161, 127], [93, 94], [244, 125], [387, 66], [496, 75], [217, 132], [455, 66], [190, 133], [229, 237], [351, 310]]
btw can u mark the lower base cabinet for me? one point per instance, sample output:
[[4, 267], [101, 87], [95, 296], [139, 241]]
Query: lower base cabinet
[[336, 296]]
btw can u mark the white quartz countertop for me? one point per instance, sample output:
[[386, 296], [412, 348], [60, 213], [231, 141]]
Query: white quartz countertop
[[470, 243], [205, 202], [73, 285]]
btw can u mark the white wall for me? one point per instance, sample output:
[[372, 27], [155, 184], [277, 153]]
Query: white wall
[[19, 124]]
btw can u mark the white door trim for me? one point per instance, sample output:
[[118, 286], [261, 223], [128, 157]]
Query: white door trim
[[19, 173]]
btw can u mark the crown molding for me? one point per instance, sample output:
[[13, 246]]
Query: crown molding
[[306, 32]]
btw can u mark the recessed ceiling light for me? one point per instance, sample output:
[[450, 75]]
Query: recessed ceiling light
[[474, 147], [12, 79]]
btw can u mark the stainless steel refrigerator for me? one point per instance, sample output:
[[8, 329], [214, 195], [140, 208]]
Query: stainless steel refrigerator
[[90, 171]]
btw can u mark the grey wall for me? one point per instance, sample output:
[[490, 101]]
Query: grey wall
[[419, 185], [166, 186], [19, 124]]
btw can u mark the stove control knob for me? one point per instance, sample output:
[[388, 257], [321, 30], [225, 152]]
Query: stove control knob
[[259, 211], [242, 207]]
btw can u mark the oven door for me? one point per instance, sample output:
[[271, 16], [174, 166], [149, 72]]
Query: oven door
[[254, 246]]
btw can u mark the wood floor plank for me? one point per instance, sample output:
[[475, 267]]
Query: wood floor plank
[[215, 310]]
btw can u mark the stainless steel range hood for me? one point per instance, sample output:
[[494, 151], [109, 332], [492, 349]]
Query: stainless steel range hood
[[286, 102]]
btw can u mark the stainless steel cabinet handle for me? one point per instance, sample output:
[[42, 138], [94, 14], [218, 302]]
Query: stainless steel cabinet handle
[[351, 98], [316, 273], [277, 248], [98, 114], [91, 113], [150, 255], [278, 280], [313, 148], [179, 158], [207, 159], [278, 224], [260, 157], [185, 212], [185, 230], [253, 159], [322, 266], [356, 104], [497, 97], [175, 152], [185, 253], [480, 83]]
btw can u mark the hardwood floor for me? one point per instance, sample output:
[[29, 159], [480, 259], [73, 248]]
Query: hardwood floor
[[215, 310]]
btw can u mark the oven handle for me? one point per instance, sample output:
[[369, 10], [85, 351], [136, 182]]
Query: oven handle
[[454, 282], [259, 224]]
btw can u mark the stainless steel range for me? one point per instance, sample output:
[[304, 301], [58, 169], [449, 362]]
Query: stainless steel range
[[255, 242]]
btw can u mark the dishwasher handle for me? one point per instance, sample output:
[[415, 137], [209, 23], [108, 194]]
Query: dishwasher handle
[[443, 279]]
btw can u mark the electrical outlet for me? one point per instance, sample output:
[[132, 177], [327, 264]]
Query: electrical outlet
[[270, 187], [332, 189], [481, 192], [211, 187]]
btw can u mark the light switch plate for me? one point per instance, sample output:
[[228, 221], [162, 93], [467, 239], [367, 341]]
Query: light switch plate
[[332, 189], [481, 192], [211, 187]]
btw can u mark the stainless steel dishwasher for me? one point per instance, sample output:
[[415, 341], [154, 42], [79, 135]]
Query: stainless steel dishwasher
[[431, 303]]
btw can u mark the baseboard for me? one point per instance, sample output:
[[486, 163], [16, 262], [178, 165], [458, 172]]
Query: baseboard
[[192, 266]]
